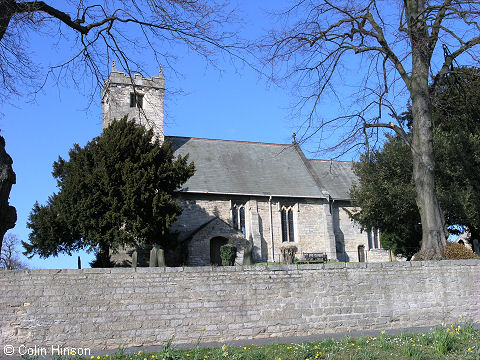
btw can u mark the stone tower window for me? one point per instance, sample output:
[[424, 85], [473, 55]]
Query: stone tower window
[[136, 100], [288, 232]]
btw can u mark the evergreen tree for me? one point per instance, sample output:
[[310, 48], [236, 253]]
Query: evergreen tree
[[117, 190], [386, 197]]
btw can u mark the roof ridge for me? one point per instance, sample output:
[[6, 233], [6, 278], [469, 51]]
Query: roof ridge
[[343, 161], [237, 141]]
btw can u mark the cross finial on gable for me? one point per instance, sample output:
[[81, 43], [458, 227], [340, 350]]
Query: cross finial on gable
[[294, 138]]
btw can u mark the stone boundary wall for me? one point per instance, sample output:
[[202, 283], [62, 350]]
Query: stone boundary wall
[[105, 308]]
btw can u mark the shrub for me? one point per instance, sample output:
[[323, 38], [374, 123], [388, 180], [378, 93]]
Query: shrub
[[288, 253], [228, 253], [455, 251], [427, 254]]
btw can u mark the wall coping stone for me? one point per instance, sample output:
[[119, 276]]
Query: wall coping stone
[[174, 269], [254, 267], [283, 267], [396, 264], [95, 270], [311, 266], [150, 269], [355, 265], [375, 265], [334, 266], [416, 263], [226, 268], [240, 268], [199, 269]]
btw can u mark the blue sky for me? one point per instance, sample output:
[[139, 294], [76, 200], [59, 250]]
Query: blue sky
[[235, 103]]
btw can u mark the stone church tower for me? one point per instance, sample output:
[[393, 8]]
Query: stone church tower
[[140, 98]]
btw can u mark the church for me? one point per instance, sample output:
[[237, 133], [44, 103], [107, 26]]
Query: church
[[253, 195]]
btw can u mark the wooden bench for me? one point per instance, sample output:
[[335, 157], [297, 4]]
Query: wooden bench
[[314, 258]]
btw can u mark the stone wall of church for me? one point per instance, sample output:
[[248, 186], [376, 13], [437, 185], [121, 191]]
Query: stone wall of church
[[310, 225], [351, 237]]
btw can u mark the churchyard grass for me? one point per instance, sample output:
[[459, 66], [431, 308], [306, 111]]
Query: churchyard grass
[[447, 342]]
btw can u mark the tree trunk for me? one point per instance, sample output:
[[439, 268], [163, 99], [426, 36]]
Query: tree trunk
[[8, 214], [433, 222]]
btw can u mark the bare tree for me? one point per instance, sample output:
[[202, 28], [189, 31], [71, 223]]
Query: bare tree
[[390, 50], [93, 33], [10, 256]]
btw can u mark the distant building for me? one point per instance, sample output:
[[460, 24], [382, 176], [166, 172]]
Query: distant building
[[249, 193]]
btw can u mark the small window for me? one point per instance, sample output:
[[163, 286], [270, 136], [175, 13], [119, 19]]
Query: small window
[[136, 100]]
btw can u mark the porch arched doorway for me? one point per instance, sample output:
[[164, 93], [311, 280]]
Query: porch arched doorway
[[215, 244]]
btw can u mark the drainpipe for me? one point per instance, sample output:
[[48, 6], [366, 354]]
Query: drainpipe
[[271, 227]]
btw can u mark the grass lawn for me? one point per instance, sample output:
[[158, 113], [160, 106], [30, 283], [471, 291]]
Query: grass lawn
[[453, 342]]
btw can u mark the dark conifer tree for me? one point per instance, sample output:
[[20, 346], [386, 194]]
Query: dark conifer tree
[[117, 190]]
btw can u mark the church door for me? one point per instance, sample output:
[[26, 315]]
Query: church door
[[361, 253], [215, 244]]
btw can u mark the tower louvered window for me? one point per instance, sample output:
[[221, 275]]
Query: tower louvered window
[[136, 100]]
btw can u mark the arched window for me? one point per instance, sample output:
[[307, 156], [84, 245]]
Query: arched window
[[288, 230], [242, 220], [283, 215], [238, 217], [374, 239], [291, 236]]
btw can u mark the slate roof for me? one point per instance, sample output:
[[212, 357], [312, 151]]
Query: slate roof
[[251, 168], [239, 167], [336, 177]]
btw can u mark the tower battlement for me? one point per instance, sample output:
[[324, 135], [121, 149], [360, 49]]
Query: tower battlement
[[138, 97]]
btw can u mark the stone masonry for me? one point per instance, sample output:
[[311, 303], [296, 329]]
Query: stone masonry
[[106, 308], [116, 99], [316, 228]]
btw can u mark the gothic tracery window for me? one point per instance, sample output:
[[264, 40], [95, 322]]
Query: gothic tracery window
[[288, 230], [238, 217]]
